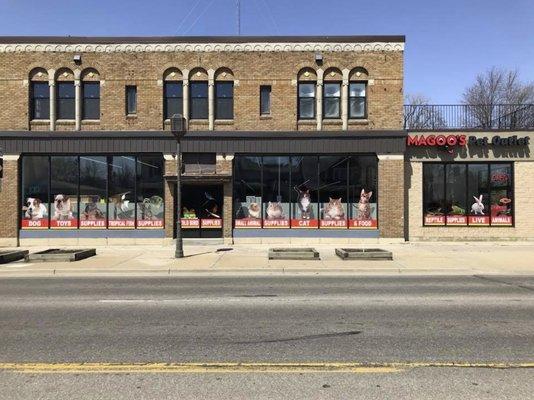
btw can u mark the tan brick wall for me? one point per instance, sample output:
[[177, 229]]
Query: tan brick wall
[[9, 204], [391, 197], [250, 69], [524, 210]]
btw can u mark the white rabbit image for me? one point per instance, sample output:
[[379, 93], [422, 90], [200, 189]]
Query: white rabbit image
[[478, 207]]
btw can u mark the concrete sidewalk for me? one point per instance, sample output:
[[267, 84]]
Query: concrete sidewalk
[[408, 258]]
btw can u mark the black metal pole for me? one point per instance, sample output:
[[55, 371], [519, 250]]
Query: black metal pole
[[179, 252]]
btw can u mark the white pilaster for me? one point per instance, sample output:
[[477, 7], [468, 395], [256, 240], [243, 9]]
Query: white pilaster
[[319, 99], [345, 100], [52, 87], [185, 97], [211, 99], [77, 100]]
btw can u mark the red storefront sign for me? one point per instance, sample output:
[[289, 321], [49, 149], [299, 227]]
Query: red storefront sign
[[304, 223], [276, 223], [437, 140], [121, 224], [34, 223], [333, 224], [64, 224], [436, 220], [93, 224], [501, 220], [190, 223], [363, 224], [211, 223], [479, 220], [457, 220], [149, 224], [248, 223]]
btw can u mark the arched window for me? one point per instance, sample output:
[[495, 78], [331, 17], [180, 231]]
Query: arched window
[[332, 80], [307, 82], [173, 98], [90, 94], [65, 94], [39, 100], [358, 93], [198, 94], [224, 94]]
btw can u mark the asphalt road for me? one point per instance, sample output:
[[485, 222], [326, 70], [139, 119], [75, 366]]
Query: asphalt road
[[301, 319]]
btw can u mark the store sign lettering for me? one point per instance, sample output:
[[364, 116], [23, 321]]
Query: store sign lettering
[[248, 223], [363, 223], [211, 223], [276, 223], [437, 140], [121, 223], [190, 223], [304, 223], [97, 224], [70, 223]]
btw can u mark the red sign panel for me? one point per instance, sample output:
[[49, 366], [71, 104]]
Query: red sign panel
[[363, 224], [150, 224], [436, 220], [459, 220], [501, 220], [64, 224], [211, 223], [34, 224], [248, 223], [479, 220], [93, 224], [333, 223], [121, 224], [304, 223], [276, 223], [190, 223]]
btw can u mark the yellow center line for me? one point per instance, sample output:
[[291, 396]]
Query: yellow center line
[[229, 367]]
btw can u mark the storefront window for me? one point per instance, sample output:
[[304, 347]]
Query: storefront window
[[247, 192], [363, 192], [64, 192], [460, 194], [304, 196], [93, 188], [276, 192], [121, 197], [333, 180], [35, 192], [150, 205]]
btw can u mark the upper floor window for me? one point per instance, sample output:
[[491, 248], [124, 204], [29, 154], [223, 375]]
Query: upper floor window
[[91, 100], [173, 94], [40, 100], [331, 100], [357, 100], [224, 100], [198, 100], [65, 100], [131, 100], [306, 100], [265, 100]]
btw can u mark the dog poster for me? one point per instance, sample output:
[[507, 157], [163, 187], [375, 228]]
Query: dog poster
[[150, 212], [93, 209], [34, 214], [64, 211]]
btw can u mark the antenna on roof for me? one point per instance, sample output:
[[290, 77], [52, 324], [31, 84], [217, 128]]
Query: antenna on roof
[[238, 10]]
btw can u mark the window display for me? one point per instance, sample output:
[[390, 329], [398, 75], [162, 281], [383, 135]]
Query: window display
[[304, 196], [35, 192], [121, 196], [150, 192], [363, 193], [247, 192], [461, 194], [93, 187], [333, 183], [64, 192], [276, 192]]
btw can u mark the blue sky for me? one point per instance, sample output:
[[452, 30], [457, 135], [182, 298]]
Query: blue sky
[[448, 42]]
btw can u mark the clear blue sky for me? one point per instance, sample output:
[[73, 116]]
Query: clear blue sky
[[448, 42]]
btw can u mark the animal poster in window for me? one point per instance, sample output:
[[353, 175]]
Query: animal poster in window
[[34, 214], [364, 212], [92, 212], [150, 213], [333, 213], [64, 211], [276, 214], [304, 209], [248, 213], [121, 211]]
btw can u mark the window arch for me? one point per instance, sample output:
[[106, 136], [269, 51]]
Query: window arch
[[358, 79], [224, 93], [332, 80], [306, 93], [90, 95], [39, 94]]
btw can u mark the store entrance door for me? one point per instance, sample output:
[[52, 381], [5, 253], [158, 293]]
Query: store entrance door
[[202, 207]]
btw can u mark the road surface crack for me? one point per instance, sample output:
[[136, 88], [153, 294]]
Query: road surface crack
[[306, 337]]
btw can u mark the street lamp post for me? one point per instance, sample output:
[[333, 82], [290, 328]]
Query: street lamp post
[[178, 130]]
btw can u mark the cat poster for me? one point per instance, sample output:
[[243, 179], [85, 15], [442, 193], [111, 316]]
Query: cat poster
[[334, 214], [364, 212], [276, 215], [248, 213]]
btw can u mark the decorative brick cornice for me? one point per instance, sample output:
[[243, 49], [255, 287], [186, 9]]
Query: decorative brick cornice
[[199, 47]]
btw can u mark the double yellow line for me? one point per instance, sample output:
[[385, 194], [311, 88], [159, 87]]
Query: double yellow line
[[216, 367]]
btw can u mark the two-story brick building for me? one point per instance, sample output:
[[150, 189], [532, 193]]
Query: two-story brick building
[[289, 139]]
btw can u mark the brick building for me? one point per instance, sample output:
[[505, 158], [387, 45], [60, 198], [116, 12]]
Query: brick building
[[289, 139]]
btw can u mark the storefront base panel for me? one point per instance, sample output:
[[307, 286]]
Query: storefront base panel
[[306, 233], [8, 242], [92, 237]]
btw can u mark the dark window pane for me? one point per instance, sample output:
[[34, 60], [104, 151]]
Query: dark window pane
[[91, 90], [131, 99], [224, 108], [199, 89], [35, 191], [331, 107], [307, 89], [40, 90], [41, 109], [332, 90], [363, 193], [333, 181], [276, 192], [150, 205], [199, 108], [265, 100], [434, 194], [501, 194], [306, 108], [224, 89], [93, 197], [173, 89], [91, 108], [357, 107], [65, 100], [64, 191], [65, 90], [304, 196], [173, 106]]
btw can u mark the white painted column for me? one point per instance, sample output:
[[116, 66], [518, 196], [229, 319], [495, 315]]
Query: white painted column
[[345, 100], [319, 99], [77, 104], [211, 99], [52, 86], [185, 97]]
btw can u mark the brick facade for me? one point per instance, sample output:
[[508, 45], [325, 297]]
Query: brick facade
[[9, 202], [391, 192]]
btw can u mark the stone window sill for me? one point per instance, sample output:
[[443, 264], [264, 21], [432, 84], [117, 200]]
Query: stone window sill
[[40, 122], [90, 121], [65, 121], [224, 121], [131, 116], [266, 116], [307, 122], [332, 121], [362, 121]]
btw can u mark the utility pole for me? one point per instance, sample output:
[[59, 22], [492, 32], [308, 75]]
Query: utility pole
[[238, 9]]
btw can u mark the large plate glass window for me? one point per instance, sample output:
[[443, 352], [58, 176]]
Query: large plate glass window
[[35, 192], [91, 100], [40, 100], [64, 192], [333, 180], [332, 100], [93, 192], [173, 99], [434, 194], [65, 100], [121, 196], [224, 100], [363, 192], [304, 196], [306, 100], [198, 93], [276, 192], [247, 192], [150, 204], [456, 194], [357, 100], [478, 194], [501, 194]]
